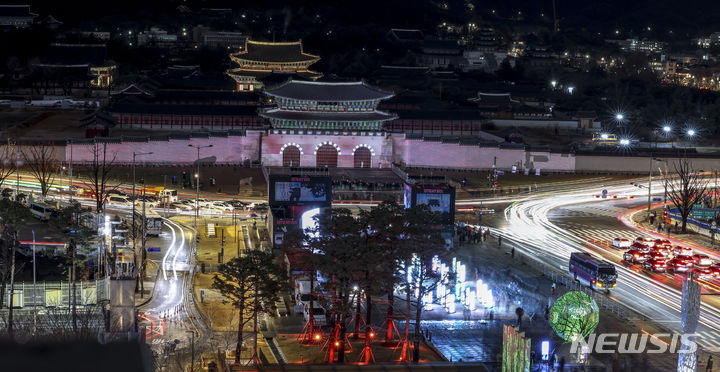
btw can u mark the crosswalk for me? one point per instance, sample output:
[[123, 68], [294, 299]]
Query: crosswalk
[[603, 234], [590, 211], [708, 341]]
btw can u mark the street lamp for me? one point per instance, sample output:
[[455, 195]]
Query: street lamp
[[197, 179], [650, 181], [570, 89], [619, 116], [553, 83], [691, 132], [667, 129], [134, 228]]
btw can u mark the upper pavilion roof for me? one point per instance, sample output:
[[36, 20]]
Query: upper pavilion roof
[[328, 116], [274, 52], [324, 91]]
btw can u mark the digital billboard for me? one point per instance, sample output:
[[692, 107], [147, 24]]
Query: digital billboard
[[439, 198], [300, 190]]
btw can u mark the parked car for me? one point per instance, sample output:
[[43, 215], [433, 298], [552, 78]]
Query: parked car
[[180, 207], [223, 206], [119, 201]]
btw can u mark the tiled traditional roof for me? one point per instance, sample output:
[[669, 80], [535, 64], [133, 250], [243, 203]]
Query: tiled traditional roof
[[274, 52], [76, 54], [189, 110], [16, 11], [325, 91], [327, 116]]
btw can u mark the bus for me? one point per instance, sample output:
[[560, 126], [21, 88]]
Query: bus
[[42, 211], [153, 221], [591, 271]]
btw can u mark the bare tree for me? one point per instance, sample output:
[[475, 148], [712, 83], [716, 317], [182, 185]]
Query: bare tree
[[43, 163], [688, 189], [98, 177], [7, 163]]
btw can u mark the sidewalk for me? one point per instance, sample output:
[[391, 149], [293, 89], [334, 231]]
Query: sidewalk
[[533, 290]]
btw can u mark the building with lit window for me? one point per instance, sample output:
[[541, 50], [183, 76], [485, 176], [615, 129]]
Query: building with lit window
[[18, 16], [69, 69], [258, 60]]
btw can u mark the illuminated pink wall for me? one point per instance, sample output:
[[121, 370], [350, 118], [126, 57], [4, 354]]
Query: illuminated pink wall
[[420, 153], [230, 149], [385, 149]]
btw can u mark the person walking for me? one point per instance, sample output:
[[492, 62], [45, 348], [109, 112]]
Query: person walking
[[709, 366]]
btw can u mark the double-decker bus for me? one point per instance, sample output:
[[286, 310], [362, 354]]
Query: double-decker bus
[[591, 271], [153, 221]]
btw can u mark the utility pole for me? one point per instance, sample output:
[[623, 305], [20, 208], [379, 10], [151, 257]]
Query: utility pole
[[34, 291], [197, 180], [69, 172], [144, 239]]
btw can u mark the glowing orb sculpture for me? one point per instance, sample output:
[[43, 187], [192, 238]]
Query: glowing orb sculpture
[[574, 314]]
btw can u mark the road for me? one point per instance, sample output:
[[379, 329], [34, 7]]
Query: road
[[549, 227], [165, 315]]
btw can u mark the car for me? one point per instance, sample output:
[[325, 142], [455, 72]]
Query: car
[[116, 193], [237, 204], [663, 242], [647, 241], [204, 203], [223, 206], [655, 265], [180, 207], [715, 270], [702, 260], [634, 256], [680, 264], [642, 247], [704, 272], [119, 201], [682, 251], [620, 243], [662, 250], [187, 202]]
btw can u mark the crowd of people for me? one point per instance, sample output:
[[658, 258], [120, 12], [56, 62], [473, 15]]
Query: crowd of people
[[356, 185], [471, 234]]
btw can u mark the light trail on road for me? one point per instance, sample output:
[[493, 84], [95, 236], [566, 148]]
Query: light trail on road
[[530, 228]]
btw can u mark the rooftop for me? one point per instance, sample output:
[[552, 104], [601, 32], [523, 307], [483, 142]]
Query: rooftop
[[328, 116], [326, 91], [402, 34], [16, 11], [274, 52], [193, 110], [76, 54]]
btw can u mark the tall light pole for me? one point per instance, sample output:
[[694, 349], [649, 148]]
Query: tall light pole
[[652, 160], [34, 291], [69, 173], [18, 164], [134, 229], [197, 179]]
